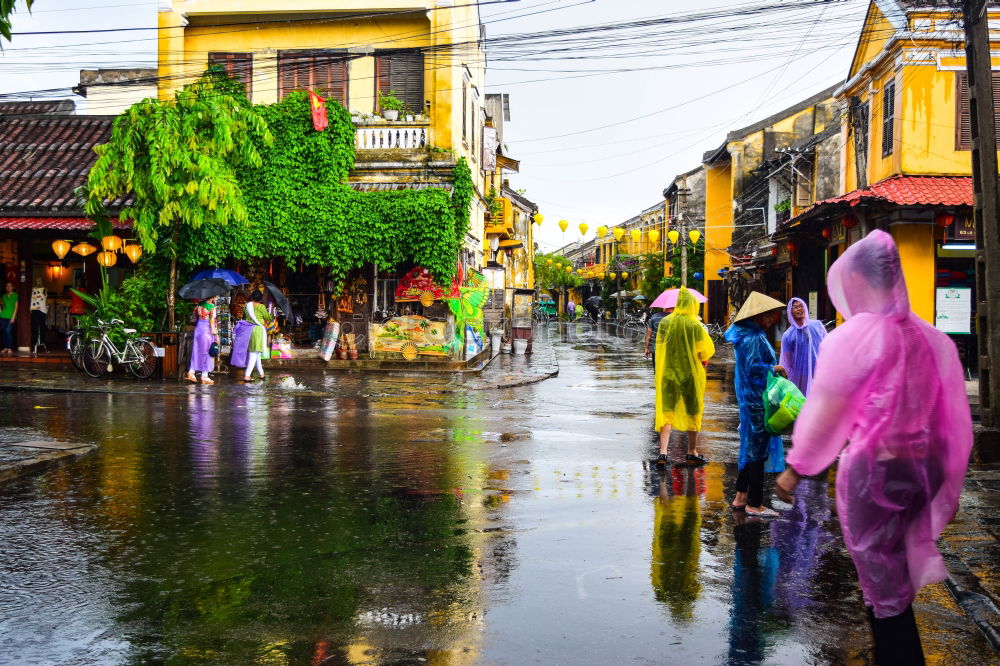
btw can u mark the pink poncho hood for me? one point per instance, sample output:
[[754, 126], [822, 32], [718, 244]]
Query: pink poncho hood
[[890, 387]]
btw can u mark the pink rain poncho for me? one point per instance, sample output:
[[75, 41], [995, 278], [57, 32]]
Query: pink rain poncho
[[800, 346], [890, 387]]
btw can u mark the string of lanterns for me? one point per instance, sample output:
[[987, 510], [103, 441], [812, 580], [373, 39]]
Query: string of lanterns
[[108, 257]]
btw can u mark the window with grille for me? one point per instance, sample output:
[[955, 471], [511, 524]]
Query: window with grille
[[963, 121], [465, 105], [403, 73], [324, 72], [238, 66], [888, 117]]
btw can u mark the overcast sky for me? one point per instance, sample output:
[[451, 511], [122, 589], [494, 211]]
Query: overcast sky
[[601, 123]]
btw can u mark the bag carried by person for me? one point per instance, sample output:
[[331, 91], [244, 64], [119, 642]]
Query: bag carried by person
[[782, 403], [213, 350]]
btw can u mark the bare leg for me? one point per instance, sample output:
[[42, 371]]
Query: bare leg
[[664, 439], [693, 442], [741, 500]]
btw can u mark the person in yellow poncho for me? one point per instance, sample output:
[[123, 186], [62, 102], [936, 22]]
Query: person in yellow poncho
[[683, 348]]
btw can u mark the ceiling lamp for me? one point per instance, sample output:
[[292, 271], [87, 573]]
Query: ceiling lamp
[[111, 243], [133, 251], [107, 259], [61, 247], [84, 249]]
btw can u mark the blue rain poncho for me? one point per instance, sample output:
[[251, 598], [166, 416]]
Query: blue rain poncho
[[800, 347], [754, 362]]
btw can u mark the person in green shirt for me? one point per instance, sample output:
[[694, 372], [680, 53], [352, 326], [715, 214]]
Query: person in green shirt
[[256, 313], [8, 315]]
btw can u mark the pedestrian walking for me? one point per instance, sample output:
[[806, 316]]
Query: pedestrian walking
[[8, 315], [890, 387], [206, 332], [571, 309], [683, 347], [800, 344], [256, 314], [760, 451], [651, 326]]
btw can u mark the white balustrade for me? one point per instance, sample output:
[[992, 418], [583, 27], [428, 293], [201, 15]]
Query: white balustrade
[[390, 136]]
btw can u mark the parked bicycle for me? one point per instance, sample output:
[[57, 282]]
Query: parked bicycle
[[633, 326], [100, 353], [75, 339]]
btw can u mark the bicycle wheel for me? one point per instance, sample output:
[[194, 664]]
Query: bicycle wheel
[[74, 344], [96, 358], [142, 358]]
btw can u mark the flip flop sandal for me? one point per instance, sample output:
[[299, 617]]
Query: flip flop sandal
[[694, 460], [766, 513], [738, 507], [662, 461]]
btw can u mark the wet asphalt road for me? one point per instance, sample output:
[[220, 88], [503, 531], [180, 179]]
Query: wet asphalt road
[[380, 523]]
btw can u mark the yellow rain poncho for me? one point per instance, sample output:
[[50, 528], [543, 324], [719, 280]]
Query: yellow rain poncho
[[682, 345]]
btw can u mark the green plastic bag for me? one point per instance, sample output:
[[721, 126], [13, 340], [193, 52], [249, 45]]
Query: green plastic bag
[[782, 403]]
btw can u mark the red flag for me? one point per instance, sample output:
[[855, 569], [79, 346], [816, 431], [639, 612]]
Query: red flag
[[318, 107]]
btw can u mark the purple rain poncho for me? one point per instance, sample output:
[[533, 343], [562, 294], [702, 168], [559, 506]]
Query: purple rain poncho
[[800, 346], [755, 361], [241, 343], [891, 387]]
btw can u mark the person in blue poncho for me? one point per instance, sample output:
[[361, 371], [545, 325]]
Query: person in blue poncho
[[760, 451], [800, 344]]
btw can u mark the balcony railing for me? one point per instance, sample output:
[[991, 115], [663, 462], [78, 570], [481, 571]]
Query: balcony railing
[[392, 135]]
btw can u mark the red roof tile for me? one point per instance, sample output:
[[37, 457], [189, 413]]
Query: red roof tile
[[31, 107], [55, 223], [912, 191]]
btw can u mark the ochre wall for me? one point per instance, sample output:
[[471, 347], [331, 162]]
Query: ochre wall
[[916, 253], [718, 220]]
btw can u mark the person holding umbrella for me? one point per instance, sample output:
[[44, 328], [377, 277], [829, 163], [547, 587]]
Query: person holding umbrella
[[206, 332], [760, 451]]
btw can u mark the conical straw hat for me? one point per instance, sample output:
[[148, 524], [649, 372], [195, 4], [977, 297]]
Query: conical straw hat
[[757, 303]]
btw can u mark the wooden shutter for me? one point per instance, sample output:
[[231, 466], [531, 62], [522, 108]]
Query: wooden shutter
[[803, 181], [403, 73], [888, 116], [324, 72], [238, 66], [465, 95], [963, 119]]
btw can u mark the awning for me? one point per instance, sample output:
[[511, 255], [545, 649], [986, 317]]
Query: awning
[[505, 162], [53, 223]]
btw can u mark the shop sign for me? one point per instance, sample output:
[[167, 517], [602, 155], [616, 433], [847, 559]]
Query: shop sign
[[953, 310], [784, 255], [838, 233], [962, 229]]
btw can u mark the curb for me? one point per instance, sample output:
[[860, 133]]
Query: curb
[[42, 463], [977, 603]]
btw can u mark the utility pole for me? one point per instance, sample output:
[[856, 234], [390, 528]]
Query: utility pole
[[984, 184], [682, 194]]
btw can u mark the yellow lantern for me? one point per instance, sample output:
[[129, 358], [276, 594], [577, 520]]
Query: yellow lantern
[[694, 235], [673, 235], [635, 235], [602, 231], [107, 259], [538, 217], [569, 269], [133, 252], [563, 224], [612, 275], [84, 249], [618, 232], [624, 275], [548, 261], [558, 264], [583, 228], [61, 247], [654, 236], [111, 243]]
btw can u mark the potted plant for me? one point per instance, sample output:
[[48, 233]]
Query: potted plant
[[408, 114], [390, 105]]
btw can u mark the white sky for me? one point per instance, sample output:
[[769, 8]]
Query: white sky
[[703, 80]]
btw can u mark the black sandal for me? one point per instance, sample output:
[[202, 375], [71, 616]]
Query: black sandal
[[692, 459], [661, 460]]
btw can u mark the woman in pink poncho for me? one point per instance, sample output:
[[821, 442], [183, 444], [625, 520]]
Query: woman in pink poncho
[[890, 387]]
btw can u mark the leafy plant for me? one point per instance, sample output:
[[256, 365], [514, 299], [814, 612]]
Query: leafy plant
[[783, 206], [552, 277], [6, 9], [389, 102]]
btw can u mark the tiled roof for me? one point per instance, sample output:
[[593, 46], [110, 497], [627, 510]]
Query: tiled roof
[[388, 187], [44, 158], [65, 106], [912, 191], [52, 223]]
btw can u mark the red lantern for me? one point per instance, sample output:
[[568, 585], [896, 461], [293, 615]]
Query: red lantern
[[944, 218], [826, 233], [849, 221], [793, 247]]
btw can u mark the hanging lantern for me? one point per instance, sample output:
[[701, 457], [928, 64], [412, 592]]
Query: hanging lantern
[[624, 275], [694, 235], [849, 221], [107, 259], [944, 219], [538, 217], [84, 249], [618, 232], [674, 236], [133, 252], [793, 247], [111, 243], [826, 233], [548, 261], [56, 271], [654, 236], [558, 264], [635, 235], [602, 231], [563, 224], [61, 247], [583, 228], [612, 275], [569, 269]]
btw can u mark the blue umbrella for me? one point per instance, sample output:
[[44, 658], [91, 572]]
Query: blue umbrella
[[232, 277]]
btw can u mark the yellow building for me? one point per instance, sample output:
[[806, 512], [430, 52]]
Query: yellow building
[[351, 52], [905, 151]]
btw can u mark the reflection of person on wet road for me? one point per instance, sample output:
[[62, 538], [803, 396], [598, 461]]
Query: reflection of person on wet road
[[677, 540], [683, 346], [760, 451], [754, 576], [891, 387], [800, 344]]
